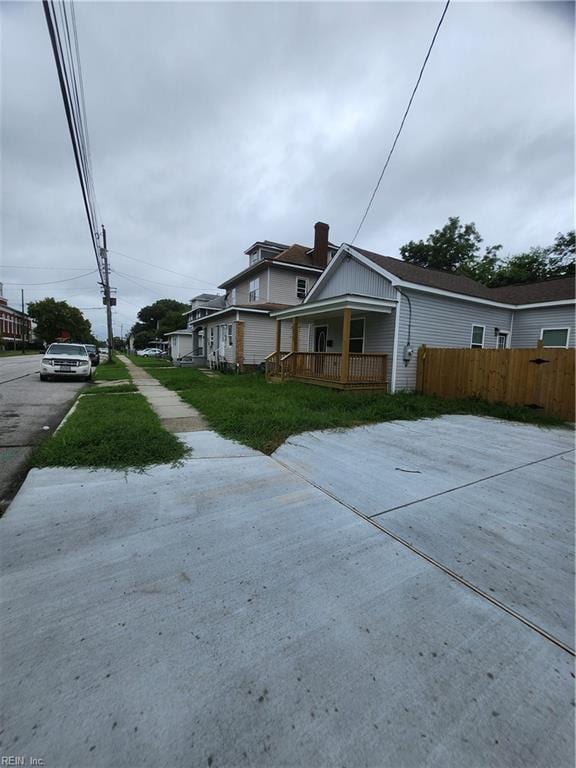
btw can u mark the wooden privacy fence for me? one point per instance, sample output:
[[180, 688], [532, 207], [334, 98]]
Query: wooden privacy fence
[[540, 378]]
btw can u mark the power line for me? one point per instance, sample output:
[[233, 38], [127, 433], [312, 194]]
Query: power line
[[58, 269], [423, 67], [155, 282], [54, 282], [73, 117], [164, 269]]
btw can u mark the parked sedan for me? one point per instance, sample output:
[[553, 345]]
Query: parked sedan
[[150, 352], [66, 360], [94, 354]]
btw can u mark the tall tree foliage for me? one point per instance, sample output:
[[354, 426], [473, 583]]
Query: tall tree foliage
[[164, 316], [456, 248], [53, 317]]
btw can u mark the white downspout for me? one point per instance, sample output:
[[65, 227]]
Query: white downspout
[[395, 348]]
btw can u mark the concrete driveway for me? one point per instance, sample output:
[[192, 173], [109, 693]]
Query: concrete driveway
[[242, 609], [27, 405]]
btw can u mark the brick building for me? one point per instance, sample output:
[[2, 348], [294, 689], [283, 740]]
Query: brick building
[[11, 324]]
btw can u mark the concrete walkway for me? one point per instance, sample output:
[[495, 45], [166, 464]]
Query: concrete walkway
[[175, 415], [242, 610]]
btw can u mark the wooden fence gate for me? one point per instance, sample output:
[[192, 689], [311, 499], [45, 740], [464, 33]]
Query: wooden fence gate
[[537, 378]]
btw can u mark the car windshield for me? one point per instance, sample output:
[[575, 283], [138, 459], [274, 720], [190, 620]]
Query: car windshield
[[67, 349], [90, 347]]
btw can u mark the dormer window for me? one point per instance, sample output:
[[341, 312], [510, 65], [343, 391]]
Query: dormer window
[[254, 294], [301, 287], [255, 257]]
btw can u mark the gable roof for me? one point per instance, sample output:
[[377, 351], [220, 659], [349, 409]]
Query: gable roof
[[432, 278], [558, 289]]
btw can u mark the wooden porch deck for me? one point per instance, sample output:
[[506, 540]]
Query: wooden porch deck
[[357, 370]]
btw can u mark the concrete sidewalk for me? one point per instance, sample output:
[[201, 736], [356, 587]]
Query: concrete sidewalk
[[231, 612], [175, 415]]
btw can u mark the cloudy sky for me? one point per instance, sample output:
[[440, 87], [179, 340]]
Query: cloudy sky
[[213, 125]]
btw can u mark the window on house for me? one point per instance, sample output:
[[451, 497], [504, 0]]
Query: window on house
[[254, 294], [477, 340], [301, 287], [211, 337], [254, 257], [554, 337], [233, 296], [229, 335], [357, 335]]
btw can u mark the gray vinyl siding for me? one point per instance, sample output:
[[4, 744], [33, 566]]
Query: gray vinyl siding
[[243, 288], [528, 324], [229, 350], [350, 276], [283, 284], [439, 321], [259, 337]]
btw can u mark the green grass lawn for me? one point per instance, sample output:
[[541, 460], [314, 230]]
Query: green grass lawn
[[114, 432], [118, 389], [114, 371], [261, 415], [150, 362]]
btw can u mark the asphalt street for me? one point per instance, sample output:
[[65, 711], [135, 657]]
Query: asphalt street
[[27, 406]]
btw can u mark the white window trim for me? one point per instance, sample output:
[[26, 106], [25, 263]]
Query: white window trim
[[508, 337], [363, 318], [560, 328], [477, 325], [254, 293], [305, 281], [230, 334]]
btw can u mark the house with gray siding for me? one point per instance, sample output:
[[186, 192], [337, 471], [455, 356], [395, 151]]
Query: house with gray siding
[[367, 315], [242, 334], [188, 344]]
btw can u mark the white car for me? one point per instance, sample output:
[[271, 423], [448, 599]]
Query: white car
[[150, 352], [66, 360]]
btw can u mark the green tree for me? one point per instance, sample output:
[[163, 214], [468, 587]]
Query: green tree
[[454, 248], [539, 263], [53, 317], [156, 319]]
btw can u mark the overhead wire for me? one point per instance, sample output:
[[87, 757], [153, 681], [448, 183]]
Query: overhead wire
[[76, 127], [54, 282], [164, 269], [406, 111]]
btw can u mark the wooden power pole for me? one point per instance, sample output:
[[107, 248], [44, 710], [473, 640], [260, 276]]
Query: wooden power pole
[[106, 278]]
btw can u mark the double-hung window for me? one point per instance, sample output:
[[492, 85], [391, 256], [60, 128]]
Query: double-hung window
[[554, 337], [477, 338], [357, 335], [301, 287], [212, 336], [254, 294], [229, 335]]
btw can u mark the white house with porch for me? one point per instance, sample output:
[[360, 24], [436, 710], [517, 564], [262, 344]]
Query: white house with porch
[[369, 313]]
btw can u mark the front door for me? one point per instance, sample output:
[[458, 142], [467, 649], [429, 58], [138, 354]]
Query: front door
[[320, 334]]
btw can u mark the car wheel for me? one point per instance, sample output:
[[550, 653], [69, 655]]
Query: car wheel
[[43, 377]]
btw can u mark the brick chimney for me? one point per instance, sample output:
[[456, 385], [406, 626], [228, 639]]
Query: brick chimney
[[320, 251]]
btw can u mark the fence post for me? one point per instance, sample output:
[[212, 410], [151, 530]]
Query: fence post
[[420, 363]]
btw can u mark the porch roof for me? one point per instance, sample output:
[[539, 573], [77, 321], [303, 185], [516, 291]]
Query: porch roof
[[335, 305]]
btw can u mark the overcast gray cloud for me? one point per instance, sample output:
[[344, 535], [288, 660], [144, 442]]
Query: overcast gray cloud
[[214, 124]]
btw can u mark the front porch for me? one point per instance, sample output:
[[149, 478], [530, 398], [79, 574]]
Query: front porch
[[342, 344]]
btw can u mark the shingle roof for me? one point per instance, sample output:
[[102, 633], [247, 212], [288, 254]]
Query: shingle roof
[[526, 293], [268, 307], [432, 278], [294, 254], [558, 289]]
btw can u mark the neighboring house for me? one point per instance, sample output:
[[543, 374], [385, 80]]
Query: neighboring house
[[190, 341], [384, 309], [242, 333], [14, 324]]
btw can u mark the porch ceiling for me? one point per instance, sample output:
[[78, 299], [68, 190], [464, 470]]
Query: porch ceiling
[[335, 306]]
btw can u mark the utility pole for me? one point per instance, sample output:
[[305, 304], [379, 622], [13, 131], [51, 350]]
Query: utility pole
[[104, 255], [22, 325]]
